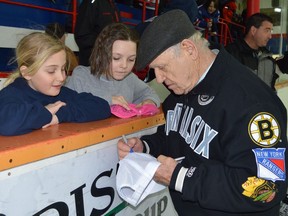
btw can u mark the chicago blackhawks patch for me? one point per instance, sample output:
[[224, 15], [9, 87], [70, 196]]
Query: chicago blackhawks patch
[[259, 190], [264, 130]]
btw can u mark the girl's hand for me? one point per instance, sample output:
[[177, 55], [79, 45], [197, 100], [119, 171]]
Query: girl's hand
[[148, 101], [120, 100], [53, 121], [54, 107]]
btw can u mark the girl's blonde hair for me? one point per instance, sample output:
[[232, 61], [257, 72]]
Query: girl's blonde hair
[[32, 51]]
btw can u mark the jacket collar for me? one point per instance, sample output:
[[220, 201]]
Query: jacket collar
[[212, 82]]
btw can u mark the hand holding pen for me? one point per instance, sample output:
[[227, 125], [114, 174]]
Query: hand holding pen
[[125, 146], [126, 141]]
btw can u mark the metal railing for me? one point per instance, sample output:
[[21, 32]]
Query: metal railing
[[73, 12], [145, 3], [226, 31], [149, 3]]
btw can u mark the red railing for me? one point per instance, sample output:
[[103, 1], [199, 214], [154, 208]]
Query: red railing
[[145, 3], [73, 13], [231, 26], [149, 3], [225, 34]]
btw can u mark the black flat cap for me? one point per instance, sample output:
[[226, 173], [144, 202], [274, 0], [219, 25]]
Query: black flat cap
[[163, 32]]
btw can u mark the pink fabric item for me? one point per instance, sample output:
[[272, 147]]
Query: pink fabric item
[[144, 110]]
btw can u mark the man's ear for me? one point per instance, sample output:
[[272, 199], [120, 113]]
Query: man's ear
[[23, 71], [189, 47], [253, 30]]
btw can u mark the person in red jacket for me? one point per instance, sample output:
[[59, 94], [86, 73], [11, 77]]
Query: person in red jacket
[[229, 10]]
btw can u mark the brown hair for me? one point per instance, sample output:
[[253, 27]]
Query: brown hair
[[101, 56], [256, 20], [207, 4]]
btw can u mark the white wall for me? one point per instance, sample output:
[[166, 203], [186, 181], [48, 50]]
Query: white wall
[[10, 37], [283, 4], [2, 80], [283, 95]]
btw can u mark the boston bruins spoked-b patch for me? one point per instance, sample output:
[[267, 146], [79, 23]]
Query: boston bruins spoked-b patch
[[264, 129]]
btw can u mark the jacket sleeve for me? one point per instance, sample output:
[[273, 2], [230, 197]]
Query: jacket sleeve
[[252, 175], [156, 142], [216, 16], [200, 20], [82, 107], [20, 117], [142, 91]]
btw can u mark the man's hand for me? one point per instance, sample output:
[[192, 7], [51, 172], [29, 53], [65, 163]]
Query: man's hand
[[124, 148], [164, 172]]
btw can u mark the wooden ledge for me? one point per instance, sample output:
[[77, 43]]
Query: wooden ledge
[[65, 137]]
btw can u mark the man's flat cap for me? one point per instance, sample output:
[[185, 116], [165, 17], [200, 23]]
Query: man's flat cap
[[163, 32]]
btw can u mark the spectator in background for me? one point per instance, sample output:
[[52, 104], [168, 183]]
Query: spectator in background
[[57, 31], [93, 16], [233, 20], [34, 96], [208, 18], [229, 10], [252, 52], [109, 75]]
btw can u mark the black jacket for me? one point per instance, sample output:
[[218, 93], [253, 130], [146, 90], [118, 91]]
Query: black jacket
[[92, 17], [224, 127], [259, 61]]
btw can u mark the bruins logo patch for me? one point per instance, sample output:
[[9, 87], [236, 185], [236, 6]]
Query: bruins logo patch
[[264, 130]]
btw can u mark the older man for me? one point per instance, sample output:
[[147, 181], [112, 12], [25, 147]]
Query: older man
[[227, 123]]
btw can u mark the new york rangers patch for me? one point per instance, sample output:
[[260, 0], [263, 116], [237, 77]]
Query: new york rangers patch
[[270, 163]]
